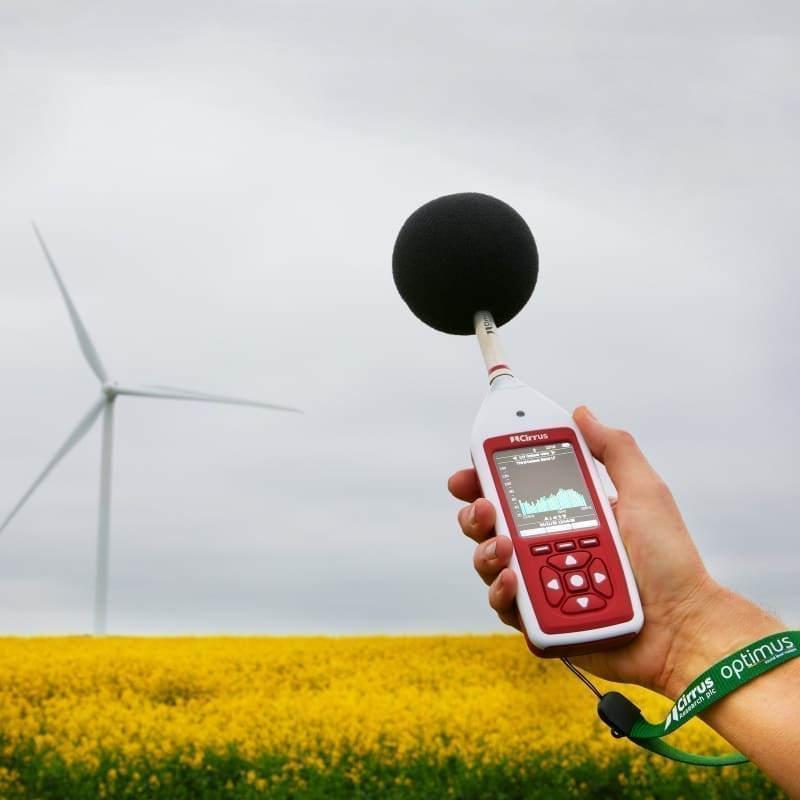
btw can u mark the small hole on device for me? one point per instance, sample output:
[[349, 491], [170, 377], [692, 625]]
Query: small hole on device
[[520, 413]]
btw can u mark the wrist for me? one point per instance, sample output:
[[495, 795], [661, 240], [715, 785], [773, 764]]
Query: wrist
[[716, 623]]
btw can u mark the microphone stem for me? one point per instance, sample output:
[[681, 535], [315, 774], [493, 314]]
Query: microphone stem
[[489, 341]]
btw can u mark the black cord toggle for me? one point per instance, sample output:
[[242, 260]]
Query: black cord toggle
[[618, 713]]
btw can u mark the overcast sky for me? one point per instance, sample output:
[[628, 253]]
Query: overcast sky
[[221, 185]]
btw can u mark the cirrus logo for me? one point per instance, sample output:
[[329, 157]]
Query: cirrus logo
[[690, 699], [529, 437]]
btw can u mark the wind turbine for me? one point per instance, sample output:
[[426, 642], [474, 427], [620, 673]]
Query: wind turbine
[[109, 391]]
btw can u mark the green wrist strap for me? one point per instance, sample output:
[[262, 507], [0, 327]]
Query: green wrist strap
[[733, 671]]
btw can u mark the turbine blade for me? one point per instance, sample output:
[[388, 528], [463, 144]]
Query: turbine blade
[[80, 329], [174, 393], [80, 431]]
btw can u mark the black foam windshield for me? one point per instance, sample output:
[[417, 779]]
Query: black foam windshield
[[464, 253]]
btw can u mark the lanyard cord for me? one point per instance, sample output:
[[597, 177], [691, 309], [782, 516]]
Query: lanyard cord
[[625, 719], [580, 675]]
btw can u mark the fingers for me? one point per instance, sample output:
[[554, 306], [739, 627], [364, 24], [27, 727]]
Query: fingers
[[501, 598], [493, 553], [617, 450], [477, 520], [464, 485], [491, 557], [491, 560]]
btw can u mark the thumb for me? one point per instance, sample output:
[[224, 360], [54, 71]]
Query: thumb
[[618, 452]]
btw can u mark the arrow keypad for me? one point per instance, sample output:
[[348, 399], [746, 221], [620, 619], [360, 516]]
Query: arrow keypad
[[573, 580]]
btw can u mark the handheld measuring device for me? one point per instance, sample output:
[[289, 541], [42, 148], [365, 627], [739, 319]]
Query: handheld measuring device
[[467, 263], [576, 588]]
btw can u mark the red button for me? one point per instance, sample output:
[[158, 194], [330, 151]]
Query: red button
[[553, 588], [562, 546], [592, 541], [569, 560], [579, 603], [576, 582], [540, 549], [600, 580]]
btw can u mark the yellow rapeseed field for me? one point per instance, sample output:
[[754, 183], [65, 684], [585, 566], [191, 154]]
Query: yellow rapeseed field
[[478, 698]]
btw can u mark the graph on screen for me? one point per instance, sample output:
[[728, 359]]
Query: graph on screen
[[562, 500], [545, 489]]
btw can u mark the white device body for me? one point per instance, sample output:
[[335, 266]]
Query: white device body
[[518, 413]]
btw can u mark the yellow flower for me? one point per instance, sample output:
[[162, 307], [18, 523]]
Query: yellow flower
[[313, 701]]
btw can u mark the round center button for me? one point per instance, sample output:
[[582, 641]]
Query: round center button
[[576, 581]]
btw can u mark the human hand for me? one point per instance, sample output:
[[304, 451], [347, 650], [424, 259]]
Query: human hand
[[681, 602]]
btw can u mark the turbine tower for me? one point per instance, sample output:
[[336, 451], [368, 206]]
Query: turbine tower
[[109, 391]]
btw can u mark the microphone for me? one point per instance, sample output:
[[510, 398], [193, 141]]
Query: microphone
[[464, 253], [467, 263]]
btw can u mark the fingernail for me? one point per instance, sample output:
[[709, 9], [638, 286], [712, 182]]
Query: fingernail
[[491, 550], [590, 414], [497, 584], [473, 512]]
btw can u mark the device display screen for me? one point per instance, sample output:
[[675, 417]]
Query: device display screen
[[545, 489]]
